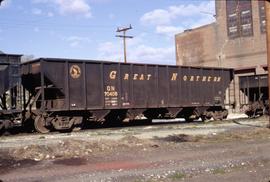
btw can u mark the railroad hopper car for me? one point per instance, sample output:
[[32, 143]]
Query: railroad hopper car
[[10, 78], [64, 93]]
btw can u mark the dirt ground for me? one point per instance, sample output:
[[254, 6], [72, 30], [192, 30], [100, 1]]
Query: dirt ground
[[234, 150]]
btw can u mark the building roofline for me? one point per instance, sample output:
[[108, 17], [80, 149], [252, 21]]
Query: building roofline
[[195, 29]]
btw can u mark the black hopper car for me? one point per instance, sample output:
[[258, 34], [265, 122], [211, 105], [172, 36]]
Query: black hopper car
[[64, 94], [10, 90]]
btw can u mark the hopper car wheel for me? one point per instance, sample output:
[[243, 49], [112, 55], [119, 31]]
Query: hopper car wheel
[[40, 125]]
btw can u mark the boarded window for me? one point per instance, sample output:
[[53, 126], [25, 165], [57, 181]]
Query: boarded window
[[232, 19], [239, 18], [262, 15]]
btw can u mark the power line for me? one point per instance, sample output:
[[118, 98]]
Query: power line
[[32, 23], [124, 37]]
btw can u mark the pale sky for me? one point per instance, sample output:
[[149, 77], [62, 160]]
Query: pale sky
[[86, 29]]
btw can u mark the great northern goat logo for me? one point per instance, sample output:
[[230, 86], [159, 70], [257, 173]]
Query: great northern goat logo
[[75, 71]]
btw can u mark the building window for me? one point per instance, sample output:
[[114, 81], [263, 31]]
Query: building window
[[262, 15], [232, 18], [239, 18]]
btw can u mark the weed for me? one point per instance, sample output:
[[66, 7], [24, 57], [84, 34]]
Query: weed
[[177, 176], [219, 171]]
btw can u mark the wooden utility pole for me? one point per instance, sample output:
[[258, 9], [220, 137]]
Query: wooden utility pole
[[267, 15], [124, 36]]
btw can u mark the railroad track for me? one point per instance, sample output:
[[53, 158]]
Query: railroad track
[[126, 126]]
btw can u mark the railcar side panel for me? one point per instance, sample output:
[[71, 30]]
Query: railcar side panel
[[152, 86], [111, 85], [94, 85], [173, 86], [139, 85], [196, 87], [76, 86], [208, 87], [163, 86], [219, 86], [55, 73], [185, 90], [126, 86], [55, 82]]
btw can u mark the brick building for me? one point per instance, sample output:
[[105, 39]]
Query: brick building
[[237, 39]]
